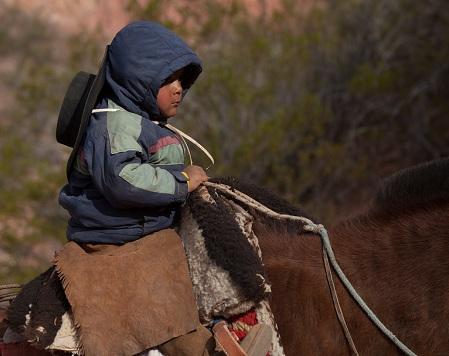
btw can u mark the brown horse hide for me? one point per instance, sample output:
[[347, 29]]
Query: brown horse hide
[[396, 257]]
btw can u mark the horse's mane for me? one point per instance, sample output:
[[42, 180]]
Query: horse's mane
[[269, 199], [413, 188]]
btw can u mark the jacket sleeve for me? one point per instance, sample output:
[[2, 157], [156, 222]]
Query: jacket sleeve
[[116, 167]]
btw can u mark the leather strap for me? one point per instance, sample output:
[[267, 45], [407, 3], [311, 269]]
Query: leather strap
[[226, 341]]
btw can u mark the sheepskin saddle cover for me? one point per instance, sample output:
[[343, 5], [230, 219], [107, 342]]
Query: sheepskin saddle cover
[[38, 312], [223, 254]]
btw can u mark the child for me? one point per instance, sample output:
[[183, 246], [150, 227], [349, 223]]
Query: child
[[127, 179]]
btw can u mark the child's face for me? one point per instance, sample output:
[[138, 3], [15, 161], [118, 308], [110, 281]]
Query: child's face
[[170, 94]]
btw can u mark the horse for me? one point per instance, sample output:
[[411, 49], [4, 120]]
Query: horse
[[394, 253]]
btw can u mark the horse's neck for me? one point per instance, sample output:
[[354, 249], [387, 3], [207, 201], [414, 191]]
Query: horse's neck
[[404, 252], [397, 264], [300, 295], [380, 255], [279, 244]]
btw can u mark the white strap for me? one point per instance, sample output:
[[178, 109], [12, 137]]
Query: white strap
[[187, 137], [104, 110], [196, 143], [185, 147]]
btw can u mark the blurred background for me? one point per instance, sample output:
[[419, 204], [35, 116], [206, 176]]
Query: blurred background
[[315, 100]]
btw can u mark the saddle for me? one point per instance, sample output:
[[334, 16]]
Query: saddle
[[223, 261]]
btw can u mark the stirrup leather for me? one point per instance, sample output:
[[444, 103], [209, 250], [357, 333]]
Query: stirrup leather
[[226, 341], [256, 343]]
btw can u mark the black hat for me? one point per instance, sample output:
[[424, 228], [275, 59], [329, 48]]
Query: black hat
[[76, 108]]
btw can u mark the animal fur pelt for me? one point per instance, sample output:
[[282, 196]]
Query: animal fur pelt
[[40, 314], [226, 271]]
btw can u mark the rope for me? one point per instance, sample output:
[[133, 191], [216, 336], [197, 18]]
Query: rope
[[320, 230], [191, 139], [186, 148], [10, 286], [9, 292], [8, 297], [338, 311]]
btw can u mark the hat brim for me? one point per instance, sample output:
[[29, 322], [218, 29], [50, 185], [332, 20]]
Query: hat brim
[[89, 105]]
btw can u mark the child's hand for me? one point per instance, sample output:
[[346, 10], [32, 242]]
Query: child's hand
[[197, 175]]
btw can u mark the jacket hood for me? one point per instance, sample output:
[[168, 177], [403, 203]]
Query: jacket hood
[[141, 56]]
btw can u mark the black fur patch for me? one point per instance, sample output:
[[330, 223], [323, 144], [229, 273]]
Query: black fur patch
[[414, 188], [48, 303], [227, 246]]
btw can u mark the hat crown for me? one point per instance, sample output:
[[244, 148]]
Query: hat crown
[[71, 111], [79, 100]]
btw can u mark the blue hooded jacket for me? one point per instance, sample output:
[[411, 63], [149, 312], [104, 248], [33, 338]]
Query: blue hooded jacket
[[127, 181]]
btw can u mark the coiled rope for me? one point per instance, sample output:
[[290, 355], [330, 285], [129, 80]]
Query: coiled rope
[[319, 229], [8, 292]]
